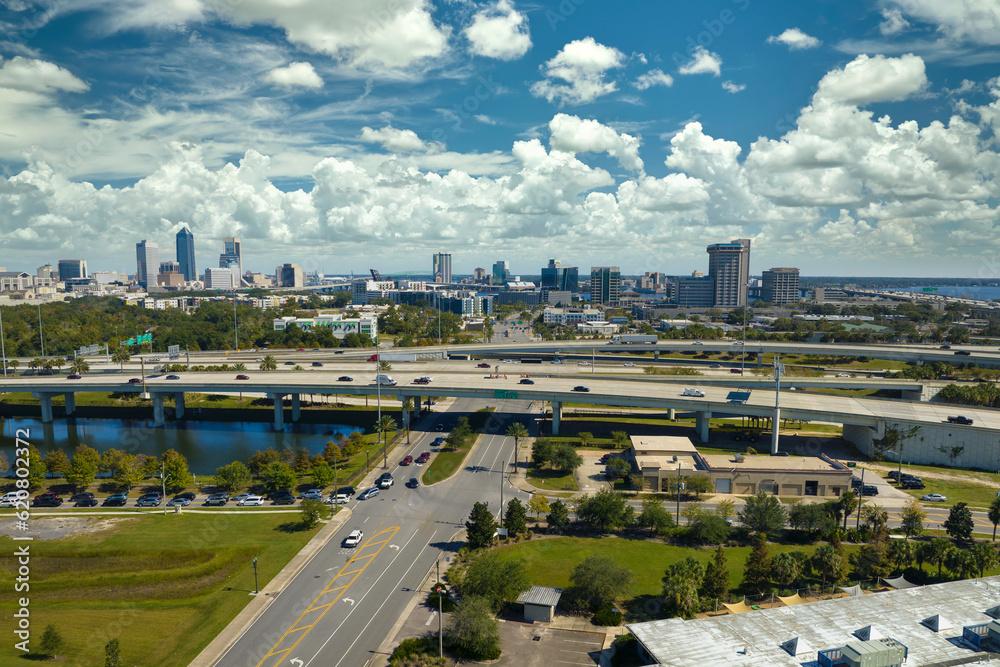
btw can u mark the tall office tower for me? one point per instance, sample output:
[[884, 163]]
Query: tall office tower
[[729, 269], [442, 267], [220, 279], [501, 272], [479, 275], [147, 258], [780, 285], [72, 268], [289, 275], [605, 283], [560, 278], [231, 257], [45, 276], [185, 254]]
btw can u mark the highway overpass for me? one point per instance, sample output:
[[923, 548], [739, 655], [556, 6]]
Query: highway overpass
[[864, 419]]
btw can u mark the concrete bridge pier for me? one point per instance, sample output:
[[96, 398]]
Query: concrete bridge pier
[[279, 410], [556, 415], [45, 398], [179, 404], [70, 404], [296, 407], [158, 417], [656, 354], [416, 405], [671, 414], [701, 424]]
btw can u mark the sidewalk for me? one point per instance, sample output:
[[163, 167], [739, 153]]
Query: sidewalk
[[259, 604]]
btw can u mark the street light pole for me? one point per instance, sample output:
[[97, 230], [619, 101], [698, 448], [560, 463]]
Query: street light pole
[[502, 469], [440, 624], [41, 337], [3, 348], [256, 588], [378, 388], [779, 369], [236, 326]]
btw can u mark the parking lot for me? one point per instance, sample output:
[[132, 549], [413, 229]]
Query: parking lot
[[526, 645]]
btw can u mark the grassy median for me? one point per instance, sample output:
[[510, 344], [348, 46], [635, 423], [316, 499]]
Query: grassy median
[[165, 586]]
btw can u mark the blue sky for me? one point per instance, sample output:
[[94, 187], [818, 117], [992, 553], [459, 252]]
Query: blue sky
[[855, 137]]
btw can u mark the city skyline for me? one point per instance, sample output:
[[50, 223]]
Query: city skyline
[[853, 138]]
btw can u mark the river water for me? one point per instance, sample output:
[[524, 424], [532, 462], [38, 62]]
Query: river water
[[206, 445]]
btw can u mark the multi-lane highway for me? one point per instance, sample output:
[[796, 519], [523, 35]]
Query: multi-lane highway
[[341, 607]]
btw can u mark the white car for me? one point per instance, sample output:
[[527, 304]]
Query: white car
[[312, 494], [629, 364], [935, 497], [509, 361], [693, 392], [557, 361], [385, 482], [583, 363], [354, 539], [242, 496], [697, 342], [843, 375], [251, 501], [338, 499]]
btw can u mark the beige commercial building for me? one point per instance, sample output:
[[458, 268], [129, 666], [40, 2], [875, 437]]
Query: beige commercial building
[[661, 459]]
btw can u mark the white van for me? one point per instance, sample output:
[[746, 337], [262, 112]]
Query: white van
[[693, 392], [385, 380], [10, 499]]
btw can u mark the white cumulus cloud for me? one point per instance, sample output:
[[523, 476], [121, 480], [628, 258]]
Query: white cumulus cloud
[[703, 61], [499, 32], [976, 21], [294, 75], [794, 39], [38, 76], [576, 135], [576, 74], [874, 79], [893, 22], [654, 77], [393, 139]]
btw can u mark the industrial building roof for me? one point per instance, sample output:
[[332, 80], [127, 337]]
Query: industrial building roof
[[540, 595], [762, 462], [756, 637]]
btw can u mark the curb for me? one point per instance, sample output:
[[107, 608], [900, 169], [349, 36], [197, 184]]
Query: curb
[[225, 640]]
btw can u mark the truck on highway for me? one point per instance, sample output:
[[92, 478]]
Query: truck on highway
[[630, 339], [394, 356]]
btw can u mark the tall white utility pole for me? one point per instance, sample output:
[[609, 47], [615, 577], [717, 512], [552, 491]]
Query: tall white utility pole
[[378, 388], [779, 370], [3, 349]]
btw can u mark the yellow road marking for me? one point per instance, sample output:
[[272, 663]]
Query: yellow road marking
[[324, 607]]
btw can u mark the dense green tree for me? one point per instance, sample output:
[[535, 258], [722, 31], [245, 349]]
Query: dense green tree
[[617, 468], [900, 552], [515, 519], [81, 472], [480, 527], [313, 511], [848, 504], [828, 562], [278, 475], [129, 472], [812, 519], [785, 568], [113, 654], [538, 504], [994, 515], [322, 474], [36, 468], [52, 641], [56, 462], [175, 465], [699, 484], [763, 514], [605, 510], [355, 443], [962, 563], [715, 584], [558, 517], [986, 557], [937, 552], [620, 439], [757, 568], [654, 517], [473, 632], [871, 561], [959, 523], [541, 452], [564, 457], [495, 577], [912, 521], [261, 459], [681, 584], [708, 528], [232, 477], [598, 581]]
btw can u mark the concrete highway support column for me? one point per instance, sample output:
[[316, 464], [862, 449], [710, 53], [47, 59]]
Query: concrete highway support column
[[279, 411], [775, 428], [179, 405], [45, 399], [556, 415], [158, 419], [701, 424], [295, 407], [656, 354], [671, 414], [70, 403], [416, 406]]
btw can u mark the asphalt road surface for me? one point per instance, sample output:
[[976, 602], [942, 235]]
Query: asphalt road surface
[[340, 608]]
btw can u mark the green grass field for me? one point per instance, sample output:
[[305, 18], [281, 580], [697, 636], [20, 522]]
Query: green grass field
[[165, 586], [975, 495], [448, 460], [550, 561], [552, 480]]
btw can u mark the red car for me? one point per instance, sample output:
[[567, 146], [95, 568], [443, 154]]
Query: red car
[[483, 365], [135, 381], [423, 458], [242, 377], [74, 377], [406, 461]]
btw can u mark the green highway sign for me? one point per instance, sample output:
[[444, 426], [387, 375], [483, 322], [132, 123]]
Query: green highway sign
[[504, 393], [930, 289]]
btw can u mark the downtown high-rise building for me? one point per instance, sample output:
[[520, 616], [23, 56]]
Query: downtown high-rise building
[[729, 271], [185, 254], [605, 284], [231, 257], [442, 267], [501, 272], [289, 275], [559, 278], [780, 285], [147, 259], [72, 268]]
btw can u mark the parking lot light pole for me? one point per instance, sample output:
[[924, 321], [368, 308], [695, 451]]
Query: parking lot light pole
[[256, 588]]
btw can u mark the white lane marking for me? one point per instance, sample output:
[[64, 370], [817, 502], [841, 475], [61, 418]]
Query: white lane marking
[[431, 619], [375, 615], [296, 660], [394, 546], [349, 600]]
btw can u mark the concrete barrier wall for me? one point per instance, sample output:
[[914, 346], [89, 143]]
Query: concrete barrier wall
[[981, 446]]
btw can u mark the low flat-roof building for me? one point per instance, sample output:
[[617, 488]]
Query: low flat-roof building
[[540, 603], [832, 632], [657, 459]]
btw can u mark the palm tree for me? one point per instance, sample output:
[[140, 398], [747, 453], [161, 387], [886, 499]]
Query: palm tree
[[269, 363], [993, 514], [517, 431], [47, 365], [828, 561], [80, 366], [939, 551], [386, 423], [14, 363], [35, 363], [121, 356], [986, 557], [58, 362], [240, 367], [384, 366]]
